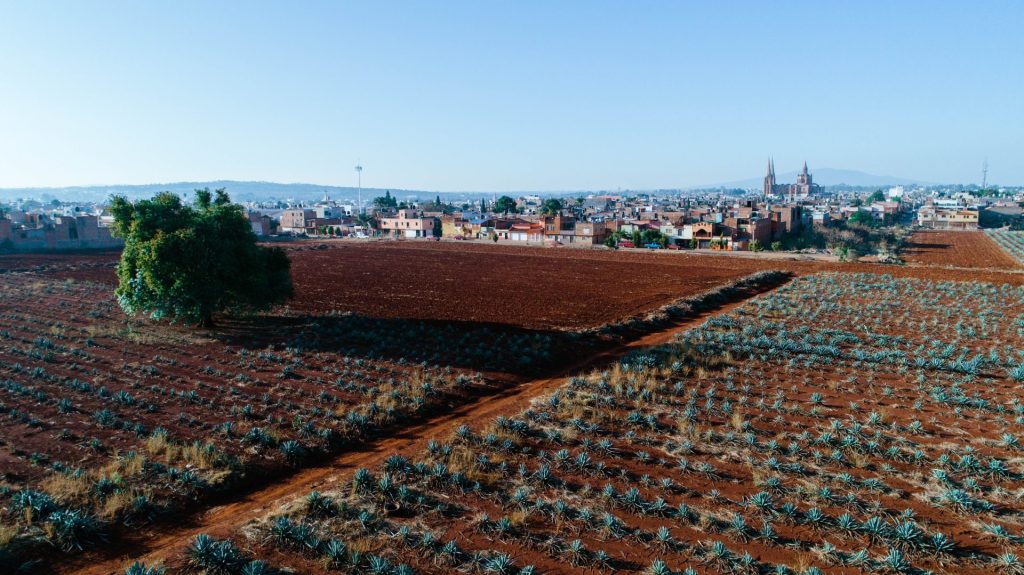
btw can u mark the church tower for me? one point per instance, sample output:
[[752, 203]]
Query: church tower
[[769, 179], [804, 179]]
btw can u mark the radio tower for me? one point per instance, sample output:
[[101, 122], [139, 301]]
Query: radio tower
[[359, 179], [984, 174]]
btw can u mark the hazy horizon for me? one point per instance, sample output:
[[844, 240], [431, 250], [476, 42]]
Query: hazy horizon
[[828, 177], [506, 96]]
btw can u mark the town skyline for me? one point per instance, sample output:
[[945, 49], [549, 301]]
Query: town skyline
[[827, 177]]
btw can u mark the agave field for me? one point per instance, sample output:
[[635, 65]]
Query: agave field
[[105, 422], [111, 425], [844, 423], [1011, 241]]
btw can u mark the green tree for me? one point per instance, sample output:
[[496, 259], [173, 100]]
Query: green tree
[[651, 236], [843, 252], [861, 218], [776, 246], [876, 196], [504, 205], [437, 227], [551, 206], [386, 201], [188, 262], [367, 220]]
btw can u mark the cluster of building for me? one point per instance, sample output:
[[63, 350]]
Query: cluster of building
[[728, 226], [325, 218], [954, 213], [67, 228], [714, 221]]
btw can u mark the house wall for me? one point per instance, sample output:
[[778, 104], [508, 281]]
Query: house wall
[[61, 233], [760, 230], [295, 220], [408, 221]]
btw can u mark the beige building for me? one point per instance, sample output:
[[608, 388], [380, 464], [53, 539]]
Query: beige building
[[294, 220], [408, 224], [939, 218]]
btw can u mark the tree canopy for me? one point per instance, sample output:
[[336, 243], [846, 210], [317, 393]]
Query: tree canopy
[[504, 205], [187, 262], [551, 206], [386, 201], [861, 218]]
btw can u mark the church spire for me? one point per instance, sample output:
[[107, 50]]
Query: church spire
[[805, 167], [769, 178]]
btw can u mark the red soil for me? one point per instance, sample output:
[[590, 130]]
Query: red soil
[[530, 288], [537, 287], [962, 249]]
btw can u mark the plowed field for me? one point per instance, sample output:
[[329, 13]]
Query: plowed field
[[959, 249]]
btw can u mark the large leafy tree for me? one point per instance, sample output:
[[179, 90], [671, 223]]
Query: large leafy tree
[[386, 201], [187, 262], [504, 205], [551, 206]]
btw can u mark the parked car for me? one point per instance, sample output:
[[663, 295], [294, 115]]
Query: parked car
[[434, 238], [459, 238], [674, 247], [653, 246], [626, 244]]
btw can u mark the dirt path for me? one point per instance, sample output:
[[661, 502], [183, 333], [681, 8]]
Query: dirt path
[[159, 542]]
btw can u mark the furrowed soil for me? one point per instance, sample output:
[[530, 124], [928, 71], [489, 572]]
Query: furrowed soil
[[957, 249], [541, 287]]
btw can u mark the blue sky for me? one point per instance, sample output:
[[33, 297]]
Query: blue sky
[[507, 95]]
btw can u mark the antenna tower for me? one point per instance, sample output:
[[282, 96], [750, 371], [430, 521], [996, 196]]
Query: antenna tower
[[359, 179]]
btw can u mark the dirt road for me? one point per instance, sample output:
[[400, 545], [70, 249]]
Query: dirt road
[[159, 542]]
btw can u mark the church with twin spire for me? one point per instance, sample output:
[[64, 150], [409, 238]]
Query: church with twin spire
[[803, 189]]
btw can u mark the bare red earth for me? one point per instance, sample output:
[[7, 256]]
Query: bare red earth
[[537, 287], [961, 249]]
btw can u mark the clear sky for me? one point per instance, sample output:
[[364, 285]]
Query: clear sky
[[491, 96]]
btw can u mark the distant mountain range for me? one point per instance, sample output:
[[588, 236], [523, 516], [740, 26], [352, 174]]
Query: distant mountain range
[[238, 190], [244, 191], [827, 177]]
